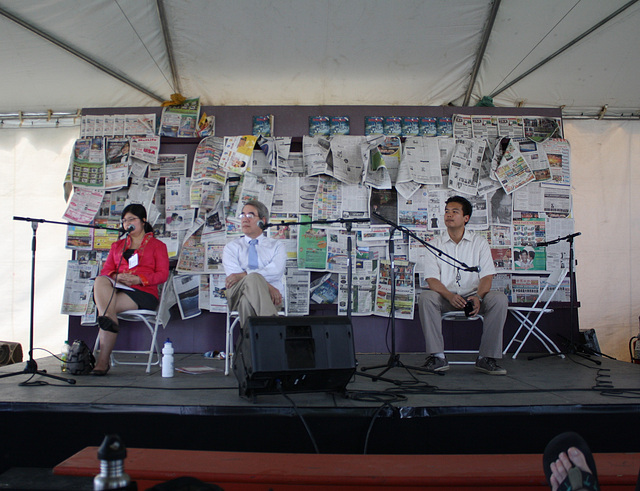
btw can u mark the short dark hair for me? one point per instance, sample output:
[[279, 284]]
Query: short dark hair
[[263, 212], [467, 209]]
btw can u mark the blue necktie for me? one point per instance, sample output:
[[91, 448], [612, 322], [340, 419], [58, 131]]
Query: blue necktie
[[253, 254]]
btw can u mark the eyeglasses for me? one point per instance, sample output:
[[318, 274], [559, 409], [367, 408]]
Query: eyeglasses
[[247, 215], [129, 220]]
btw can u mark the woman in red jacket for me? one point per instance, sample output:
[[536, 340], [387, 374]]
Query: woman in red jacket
[[129, 280]]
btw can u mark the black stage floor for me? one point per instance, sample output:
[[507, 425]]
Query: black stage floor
[[462, 412]]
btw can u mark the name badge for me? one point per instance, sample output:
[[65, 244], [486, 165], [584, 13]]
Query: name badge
[[133, 261]]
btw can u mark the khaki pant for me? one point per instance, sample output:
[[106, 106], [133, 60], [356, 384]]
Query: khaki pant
[[493, 308], [250, 297]]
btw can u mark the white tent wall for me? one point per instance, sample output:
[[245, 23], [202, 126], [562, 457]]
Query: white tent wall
[[605, 175], [605, 158], [33, 163]]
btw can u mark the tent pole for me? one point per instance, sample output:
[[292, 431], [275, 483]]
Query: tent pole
[[481, 50], [564, 48], [79, 54]]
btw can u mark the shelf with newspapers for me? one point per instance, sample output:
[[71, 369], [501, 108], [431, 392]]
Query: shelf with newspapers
[[401, 165]]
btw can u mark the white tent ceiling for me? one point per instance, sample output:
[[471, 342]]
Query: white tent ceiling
[[319, 52]]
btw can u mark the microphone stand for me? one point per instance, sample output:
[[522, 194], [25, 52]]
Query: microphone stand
[[394, 358], [572, 347], [31, 367]]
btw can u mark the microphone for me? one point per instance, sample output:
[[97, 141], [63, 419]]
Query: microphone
[[555, 241], [261, 224], [130, 229]]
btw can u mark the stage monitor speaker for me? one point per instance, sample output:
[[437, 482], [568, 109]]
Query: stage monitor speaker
[[294, 354], [10, 353]]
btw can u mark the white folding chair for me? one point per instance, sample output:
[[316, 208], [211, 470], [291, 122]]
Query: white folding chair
[[460, 316], [233, 319], [152, 319], [523, 314]]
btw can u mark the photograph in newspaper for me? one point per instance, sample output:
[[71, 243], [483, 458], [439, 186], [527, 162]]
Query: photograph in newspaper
[[169, 165], [421, 158], [78, 287], [536, 158], [502, 283], [383, 202], [237, 152], [192, 255], [312, 247], [88, 165], [217, 292], [213, 258], [363, 289], [187, 288], [297, 295], [513, 171], [413, 213], [384, 160], [404, 301], [525, 288], [559, 156], [180, 120], [79, 238], [500, 206], [530, 258], [117, 167], [464, 168], [83, 205], [145, 149], [206, 162], [324, 290]]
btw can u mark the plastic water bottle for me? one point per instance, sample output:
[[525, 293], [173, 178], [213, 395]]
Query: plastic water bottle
[[167, 359], [64, 356]]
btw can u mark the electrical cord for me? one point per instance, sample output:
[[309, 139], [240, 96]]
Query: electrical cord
[[299, 414], [115, 279], [393, 409]]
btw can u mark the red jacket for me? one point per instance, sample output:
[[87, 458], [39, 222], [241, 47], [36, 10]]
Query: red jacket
[[153, 263]]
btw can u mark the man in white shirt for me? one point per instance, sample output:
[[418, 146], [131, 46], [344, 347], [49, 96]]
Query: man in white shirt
[[254, 265], [450, 288]]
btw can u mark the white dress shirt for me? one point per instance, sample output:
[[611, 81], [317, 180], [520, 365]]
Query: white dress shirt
[[473, 250], [272, 258]]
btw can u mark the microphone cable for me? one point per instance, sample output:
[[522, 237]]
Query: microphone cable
[[130, 229]]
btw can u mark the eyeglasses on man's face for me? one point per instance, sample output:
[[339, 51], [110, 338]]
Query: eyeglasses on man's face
[[247, 215]]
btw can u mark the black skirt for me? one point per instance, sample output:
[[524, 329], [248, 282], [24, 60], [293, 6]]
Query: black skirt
[[144, 300]]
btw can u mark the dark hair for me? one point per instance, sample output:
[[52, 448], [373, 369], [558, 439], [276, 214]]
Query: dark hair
[[467, 209], [263, 212], [138, 210]]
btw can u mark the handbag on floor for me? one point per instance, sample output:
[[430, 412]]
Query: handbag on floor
[[81, 360]]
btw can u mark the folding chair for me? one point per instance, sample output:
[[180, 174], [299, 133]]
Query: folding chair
[[523, 314], [460, 316], [152, 319]]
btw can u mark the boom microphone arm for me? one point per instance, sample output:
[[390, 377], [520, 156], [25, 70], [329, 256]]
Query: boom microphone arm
[[430, 247]]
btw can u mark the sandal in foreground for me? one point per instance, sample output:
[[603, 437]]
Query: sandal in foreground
[[576, 477]]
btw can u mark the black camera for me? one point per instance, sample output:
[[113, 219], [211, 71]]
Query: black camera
[[469, 308]]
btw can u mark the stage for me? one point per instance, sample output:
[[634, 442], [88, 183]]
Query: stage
[[462, 412]]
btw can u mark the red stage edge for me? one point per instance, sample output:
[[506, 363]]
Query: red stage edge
[[310, 472]]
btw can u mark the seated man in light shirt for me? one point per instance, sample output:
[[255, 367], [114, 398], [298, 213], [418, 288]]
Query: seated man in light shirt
[[450, 288], [254, 278]]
